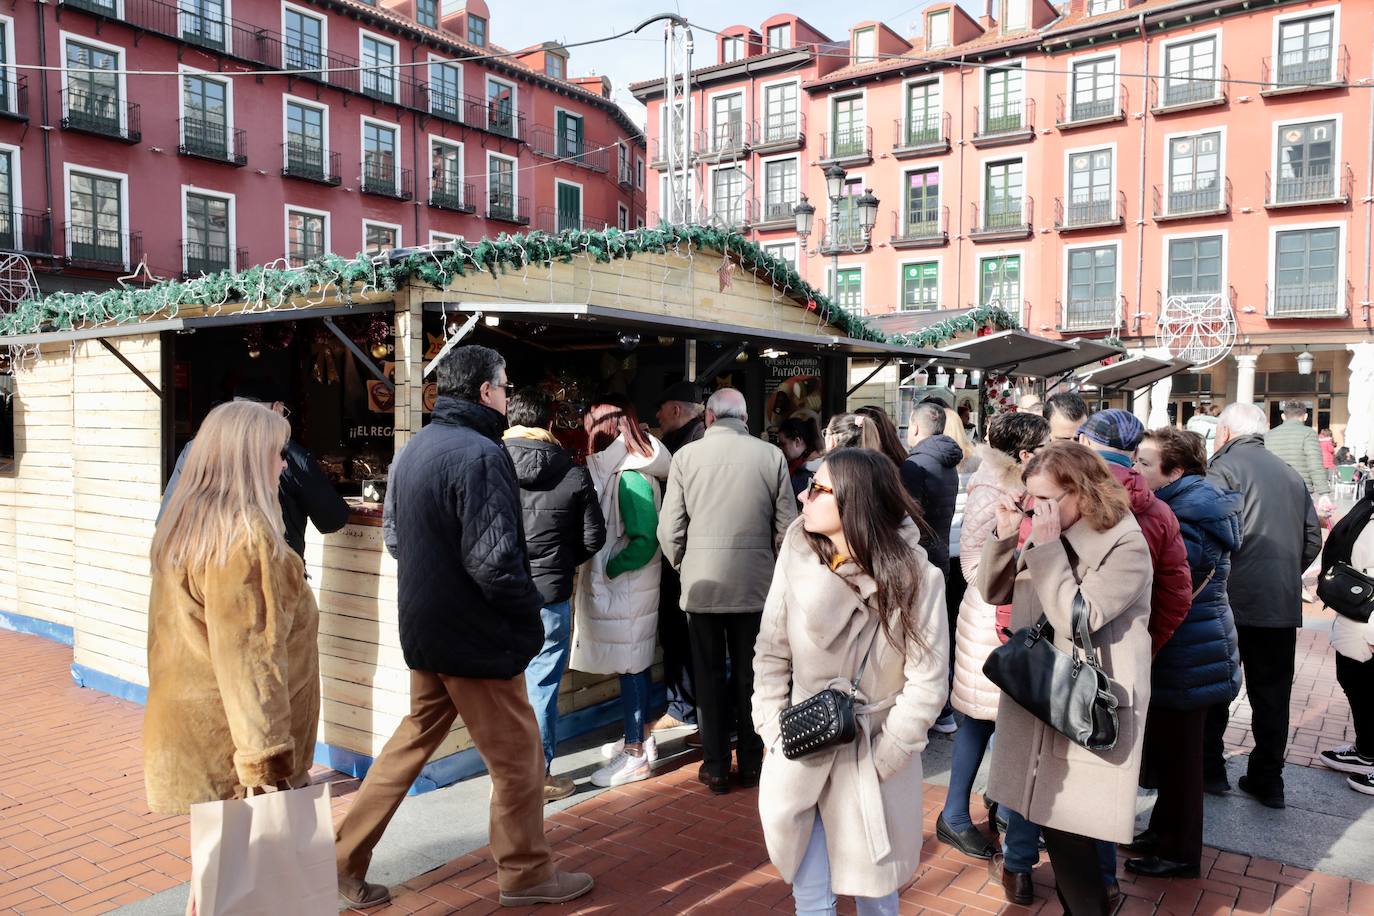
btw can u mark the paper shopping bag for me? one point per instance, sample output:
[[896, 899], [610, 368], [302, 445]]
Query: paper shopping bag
[[265, 856]]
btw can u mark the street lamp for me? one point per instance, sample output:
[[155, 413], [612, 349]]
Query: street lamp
[[805, 213]]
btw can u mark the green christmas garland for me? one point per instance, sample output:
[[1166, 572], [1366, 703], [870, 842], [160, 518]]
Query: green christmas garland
[[270, 287]]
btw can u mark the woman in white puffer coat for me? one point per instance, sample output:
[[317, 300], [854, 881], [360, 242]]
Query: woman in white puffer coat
[[1012, 439]]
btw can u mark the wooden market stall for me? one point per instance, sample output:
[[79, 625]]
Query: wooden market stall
[[108, 387]]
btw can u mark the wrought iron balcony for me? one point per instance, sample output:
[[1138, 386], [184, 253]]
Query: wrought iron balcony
[[105, 115], [1309, 300], [26, 232], [734, 213], [920, 137], [780, 131], [1321, 187], [1002, 218], [778, 210], [1074, 112], [310, 163], [1183, 93], [199, 258], [553, 221], [1004, 122], [922, 229], [504, 122], [545, 141], [1185, 201], [726, 139], [508, 208], [852, 146], [1089, 211], [14, 96], [383, 178], [1305, 70], [1090, 314], [847, 236], [450, 194], [102, 249], [206, 139]]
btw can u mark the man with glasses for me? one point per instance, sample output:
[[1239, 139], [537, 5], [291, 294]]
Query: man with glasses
[[469, 625], [304, 492]]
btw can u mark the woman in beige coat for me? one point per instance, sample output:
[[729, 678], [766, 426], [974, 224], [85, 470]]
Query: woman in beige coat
[[1083, 540], [851, 575]]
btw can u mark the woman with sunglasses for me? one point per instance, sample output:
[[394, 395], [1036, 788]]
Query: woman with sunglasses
[[1083, 541], [233, 663], [617, 602], [851, 583], [1013, 439]]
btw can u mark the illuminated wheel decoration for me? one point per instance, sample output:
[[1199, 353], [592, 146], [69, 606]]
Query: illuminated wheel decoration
[[1200, 328]]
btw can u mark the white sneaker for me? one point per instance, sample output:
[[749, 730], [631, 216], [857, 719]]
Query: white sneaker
[[624, 768], [613, 749]]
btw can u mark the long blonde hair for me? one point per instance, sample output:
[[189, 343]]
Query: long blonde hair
[[954, 428], [227, 486]]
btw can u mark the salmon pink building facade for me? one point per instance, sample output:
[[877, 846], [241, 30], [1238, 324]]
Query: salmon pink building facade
[[1090, 166]]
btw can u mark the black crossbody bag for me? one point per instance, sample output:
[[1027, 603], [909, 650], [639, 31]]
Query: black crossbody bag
[[823, 720], [1342, 587]]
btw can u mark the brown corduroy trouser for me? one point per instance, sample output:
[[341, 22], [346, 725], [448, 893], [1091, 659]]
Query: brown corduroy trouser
[[501, 723]]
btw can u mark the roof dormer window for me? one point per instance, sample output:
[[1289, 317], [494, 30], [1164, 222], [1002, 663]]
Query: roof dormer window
[[1015, 15], [731, 49], [555, 66], [780, 37], [1096, 7], [865, 45], [937, 30]]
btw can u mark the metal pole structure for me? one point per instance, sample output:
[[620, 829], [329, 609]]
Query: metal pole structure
[[677, 98], [834, 250]]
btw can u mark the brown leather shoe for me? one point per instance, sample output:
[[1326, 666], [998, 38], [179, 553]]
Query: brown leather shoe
[[562, 887], [361, 895], [1016, 886], [557, 787]]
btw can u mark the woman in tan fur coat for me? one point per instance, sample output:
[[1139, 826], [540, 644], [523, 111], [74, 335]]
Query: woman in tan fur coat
[[233, 667], [851, 574]]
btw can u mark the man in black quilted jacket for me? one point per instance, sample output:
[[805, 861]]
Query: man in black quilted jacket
[[469, 624]]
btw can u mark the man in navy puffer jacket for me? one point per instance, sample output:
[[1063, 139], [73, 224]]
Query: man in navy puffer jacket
[[1199, 666]]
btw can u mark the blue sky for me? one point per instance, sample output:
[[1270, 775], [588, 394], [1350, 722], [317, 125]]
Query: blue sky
[[627, 60]]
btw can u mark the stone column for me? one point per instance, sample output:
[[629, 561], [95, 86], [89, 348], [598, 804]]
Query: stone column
[[1245, 377]]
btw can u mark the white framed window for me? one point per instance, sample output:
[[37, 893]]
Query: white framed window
[[446, 88], [781, 111], [9, 88], [206, 104], [1092, 286], [849, 127], [306, 128], [94, 91], [865, 45], [921, 202], [1194, 264], [1195, 172], [1003, 194], [502, 107], [380, 56], [1192, 69], [97, 216], [783, 251], [1093, 88], [622, 217], [208, 241], [568, 204], [919, 285], [727, 121], [937, 30], [427, 13], [305, 40], [847, 284], [999, 280], [780, 37], [1307, 163], [671, 210], [379, 238], [307, 234], [381, 156], [447, 189], [503, 188], [555, 66], [781, 187], [1098, 7], [922, 109], [202, 22], [1015, 15], [569, 134], [1004, 97], [727, 195], [1306, 46], [443, 238], [1307, 269], [11, 201], [731, 49], [1090, 186]]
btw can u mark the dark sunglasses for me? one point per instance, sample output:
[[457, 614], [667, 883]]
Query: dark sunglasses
[[816, 487]]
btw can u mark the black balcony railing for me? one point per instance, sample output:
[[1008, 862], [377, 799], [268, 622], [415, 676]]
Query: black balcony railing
[[504, 122], [781, 128], [1089, 210], [99, 113], [731, 212], [199, 258], [1183, 199], [1074, 111], [928, 132], [26, 231], [847, 235], [925, 226], [1322, 186], [777, 210], [207, 139], [310, 162], [102, 249], [508, 208], [206, 30], [553, 220], [14, 96], [1004, 120], [1091, 314], [383, 178], [546, 141], [1309, 300], [1313, 67], [1003, 216], [451, 194], [730, 136], [849, 143], [1188, 91]]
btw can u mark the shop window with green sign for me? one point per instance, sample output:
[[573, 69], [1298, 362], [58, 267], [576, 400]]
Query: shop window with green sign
[[920, 287]]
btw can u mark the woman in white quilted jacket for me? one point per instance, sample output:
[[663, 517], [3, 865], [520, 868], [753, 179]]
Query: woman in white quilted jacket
[[1012, 439]]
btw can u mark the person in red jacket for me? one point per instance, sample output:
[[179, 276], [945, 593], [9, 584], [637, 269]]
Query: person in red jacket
[[1114, 434]]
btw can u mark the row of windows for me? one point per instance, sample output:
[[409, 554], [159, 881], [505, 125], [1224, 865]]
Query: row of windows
[[1304, 280], [776, 38]]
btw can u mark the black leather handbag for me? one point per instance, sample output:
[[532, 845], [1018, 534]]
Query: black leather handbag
[[1068, 692], [1347, 591], [823, 720]]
